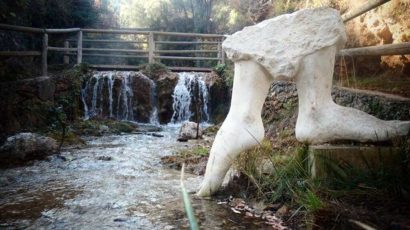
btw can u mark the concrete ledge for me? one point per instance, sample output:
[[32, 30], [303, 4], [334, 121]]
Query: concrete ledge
[[327, 160]]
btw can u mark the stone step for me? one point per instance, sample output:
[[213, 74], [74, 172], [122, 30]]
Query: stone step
[[325, 161]]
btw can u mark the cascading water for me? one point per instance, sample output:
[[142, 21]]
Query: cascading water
[[112, 94], [154, 119], [184, 96]]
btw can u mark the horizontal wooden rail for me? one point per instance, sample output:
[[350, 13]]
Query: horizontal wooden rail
[[185, 51], [61, 49], [149, 50], [115, 50], [362, 9], [382, 50], [60, 31], [37, 30], [107, 41], [115, 31], [187, 42], [195, 69], [21, 28], [189, 34], [185, 58], [120, 67], [20, 53], [132, 67], [110, 55]]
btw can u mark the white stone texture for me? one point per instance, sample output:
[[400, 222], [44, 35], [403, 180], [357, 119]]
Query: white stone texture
[[321, 120], [188, 130], [301, 45], [279, 44]]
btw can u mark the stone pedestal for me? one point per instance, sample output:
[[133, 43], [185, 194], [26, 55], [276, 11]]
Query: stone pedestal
[[327, 160]]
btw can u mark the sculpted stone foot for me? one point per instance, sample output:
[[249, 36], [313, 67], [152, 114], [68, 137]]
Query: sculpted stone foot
[[242, 128], [301, 45], [321, 120]]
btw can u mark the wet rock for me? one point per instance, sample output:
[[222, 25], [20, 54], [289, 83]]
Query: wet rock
[[157, 135], [26, 146], [147, 128], [123, 95], [104, 158], [26, 103], [104, 129], [266, 167], [166, 82], [219, 97], [46, 88], [4, 181], [189, 130], [282, 211], [120, 220], [182, 139]]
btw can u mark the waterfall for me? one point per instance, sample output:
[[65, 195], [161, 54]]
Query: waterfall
[[153, 119], [111, 94], [110, 86], [183, 97]]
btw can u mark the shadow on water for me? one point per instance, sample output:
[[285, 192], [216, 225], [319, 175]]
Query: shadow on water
[[116, 182]]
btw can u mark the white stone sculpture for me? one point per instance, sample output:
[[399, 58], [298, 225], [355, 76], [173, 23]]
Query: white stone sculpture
[[300, 46]]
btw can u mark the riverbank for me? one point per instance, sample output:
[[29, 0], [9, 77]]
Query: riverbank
[[113, 181], [274, 175], [274, 185]]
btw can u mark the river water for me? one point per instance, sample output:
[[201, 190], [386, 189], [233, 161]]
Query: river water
[[116, 181]]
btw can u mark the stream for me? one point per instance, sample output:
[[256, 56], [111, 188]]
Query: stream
[[116, 181]]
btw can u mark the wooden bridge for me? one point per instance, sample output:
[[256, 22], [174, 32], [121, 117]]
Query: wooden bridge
[[154, 46], [146, 45]]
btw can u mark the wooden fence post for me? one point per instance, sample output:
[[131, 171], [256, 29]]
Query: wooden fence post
[[151, 47], [221, 52], [66, 57], [44, 54], [80, 47]]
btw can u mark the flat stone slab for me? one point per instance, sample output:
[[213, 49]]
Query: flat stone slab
[[326, 160]]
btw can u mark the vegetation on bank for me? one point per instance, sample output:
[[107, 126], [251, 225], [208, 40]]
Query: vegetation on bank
[[226, 72], [289, 182], [397, 85], [59, 115], [281, 179]]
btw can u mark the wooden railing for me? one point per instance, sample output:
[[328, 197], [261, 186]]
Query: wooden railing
[[150, 42]]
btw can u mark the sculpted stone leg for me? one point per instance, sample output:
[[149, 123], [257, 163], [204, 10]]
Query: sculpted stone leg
[[303, 48], [321, 120], [242, 128]]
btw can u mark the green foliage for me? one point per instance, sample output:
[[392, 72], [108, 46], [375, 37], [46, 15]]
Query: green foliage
[[220, 69], [288, 182], [154, 69], [226, 72], [383, 178], [197, 151], [172, 15], [97, 127], [70, 137], [51, 13], [193, 223]]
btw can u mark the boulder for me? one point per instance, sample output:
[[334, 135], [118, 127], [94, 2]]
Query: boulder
[[219, 97], [166, 83], [27, 146], [188, 130]]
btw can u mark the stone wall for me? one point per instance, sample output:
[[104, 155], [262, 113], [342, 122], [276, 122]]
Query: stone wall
[[33, 104]]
